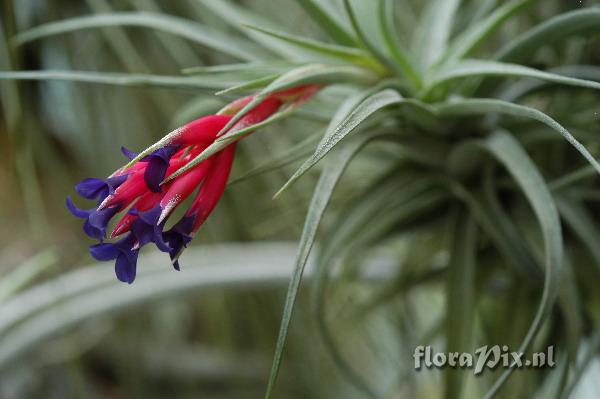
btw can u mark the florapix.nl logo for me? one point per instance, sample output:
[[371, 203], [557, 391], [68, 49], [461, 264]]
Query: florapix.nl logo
[[485, 357]]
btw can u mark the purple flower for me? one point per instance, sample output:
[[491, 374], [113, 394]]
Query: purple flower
[[146, 229], [124, 252], [99, 189], [158, 163], [178, 237], [95, 220]]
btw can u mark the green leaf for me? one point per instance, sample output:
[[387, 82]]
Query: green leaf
[[282, 158], [197, 33], [338, 131], [550, 32], [327, 23], [322, 194], [347, 54], [390, 201], [238, 17], [365, 42], [520, 89], [460, 295], [433, 32], [368, 107], [236, 134], [471, 68], [314, 74], [257, 67], [250, 85], [121, 79], [581, 223], [398, 53], [501, 232], [470, 39], [510, 153], [489, 106]]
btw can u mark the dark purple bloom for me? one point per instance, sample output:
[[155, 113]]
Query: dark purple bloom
[[124, 252], [99, 189], [128, 153], [95, 220], [146, 229], [178, 237], [158, 163]]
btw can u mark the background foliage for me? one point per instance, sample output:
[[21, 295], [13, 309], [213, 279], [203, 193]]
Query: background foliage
[[444, 230]]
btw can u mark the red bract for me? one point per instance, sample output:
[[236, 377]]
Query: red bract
[[148, 190]]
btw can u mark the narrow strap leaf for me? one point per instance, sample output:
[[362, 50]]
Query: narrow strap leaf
[[121, 79], [197, 33], [364, 40], [550, 32], [460, 294], [470, 39], [489, 106], [322, 194], [510, 153], [318, 14], [282, 158], [387, 24], [433, 32], [471, 68], [348, 54], [365, 109]]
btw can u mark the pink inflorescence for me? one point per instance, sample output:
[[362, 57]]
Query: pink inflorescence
[[146, 197]]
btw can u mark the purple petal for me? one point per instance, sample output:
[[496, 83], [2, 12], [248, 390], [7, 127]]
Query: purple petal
[[94, 232], [147, 230], [91, 188], [125, 266], [142, 231], [158, 240], [104, 252], [100, 219], [178, 237], [158, 163], [80, 213], [115, 181], [151, 216], [128, 153]]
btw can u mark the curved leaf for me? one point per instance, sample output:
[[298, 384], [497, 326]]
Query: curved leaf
[[182, 27], [510, 153], [551, 31], [368, 107], [470, 39], [489, 106], [348, 54], [471, 68], [386, 23], [121, 79], [433, 32], [327, 23], [327, 182]]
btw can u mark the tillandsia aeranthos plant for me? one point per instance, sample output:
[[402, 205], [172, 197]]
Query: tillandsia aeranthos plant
[[484, 191]]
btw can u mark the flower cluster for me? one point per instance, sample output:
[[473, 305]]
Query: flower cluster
[[147, 191]]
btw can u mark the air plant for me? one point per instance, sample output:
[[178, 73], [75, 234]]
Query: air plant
[[485, 191]]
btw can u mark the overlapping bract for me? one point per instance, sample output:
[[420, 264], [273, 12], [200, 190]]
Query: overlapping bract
[[146, 198]]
